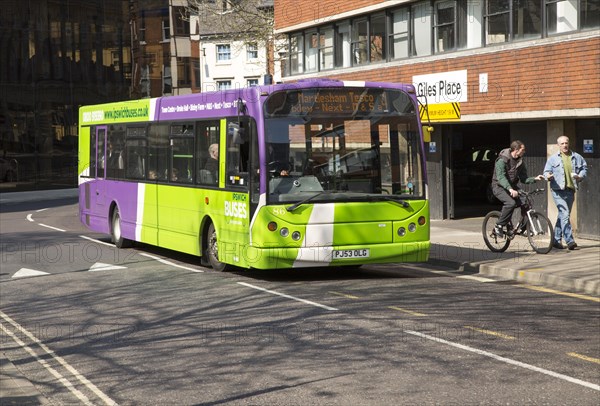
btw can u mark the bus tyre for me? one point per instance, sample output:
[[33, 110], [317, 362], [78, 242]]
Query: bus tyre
[[116, 232], [212, 250]]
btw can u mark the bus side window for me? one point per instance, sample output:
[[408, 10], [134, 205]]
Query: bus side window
[[92, 152], [182, 163], [114, 152], [158, 150], [135, 158], [101, 158], [207, 152]]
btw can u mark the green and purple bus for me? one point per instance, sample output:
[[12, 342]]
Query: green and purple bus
[[308, 174]]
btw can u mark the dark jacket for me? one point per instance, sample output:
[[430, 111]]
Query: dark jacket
[[508, 171]]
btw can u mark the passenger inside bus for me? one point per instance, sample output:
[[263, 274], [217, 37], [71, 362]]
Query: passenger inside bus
[[212, 164]]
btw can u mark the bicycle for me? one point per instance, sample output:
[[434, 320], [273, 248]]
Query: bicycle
[[532, 224]]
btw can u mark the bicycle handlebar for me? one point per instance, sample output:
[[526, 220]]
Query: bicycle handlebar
[[533, 192]]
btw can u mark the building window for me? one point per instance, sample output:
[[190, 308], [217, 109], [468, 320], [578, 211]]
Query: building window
[[398, 41], [497, 21], [142, 35], [590, 13], [561, 16], [445, 26], [437, 26], [526, 19], [296, 47], [145, 81], [311, 47], [182, 27], [166, 30], [167, 81], [223, 84], [223, 53], [252, 52], [184, 72], [421, 29], [252, 82], [326, 48], [377, 38], [360, 42], [116, 59]]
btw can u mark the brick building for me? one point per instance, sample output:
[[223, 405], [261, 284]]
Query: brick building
[[491, 71]]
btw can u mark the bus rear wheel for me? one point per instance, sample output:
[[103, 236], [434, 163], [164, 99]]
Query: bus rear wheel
[[212, 250], [116, 232]]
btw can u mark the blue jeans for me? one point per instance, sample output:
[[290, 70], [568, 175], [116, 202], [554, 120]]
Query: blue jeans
[[564, 202]]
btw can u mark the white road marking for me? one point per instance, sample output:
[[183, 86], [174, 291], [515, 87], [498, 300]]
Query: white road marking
[[53, 228], [100, 266], [475, 278], [30, 218], [458, 276], [84, 399], [287, 296], [59, 359], [164, 261], [508, 360], [37, 211], [97, 241], [26, 272]]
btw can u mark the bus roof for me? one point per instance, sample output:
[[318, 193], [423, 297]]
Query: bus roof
[[208, 104]]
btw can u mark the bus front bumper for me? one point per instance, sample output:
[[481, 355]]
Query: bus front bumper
[[322, 256]]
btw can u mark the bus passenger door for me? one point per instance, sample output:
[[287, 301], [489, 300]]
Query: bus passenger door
[[99, 194]]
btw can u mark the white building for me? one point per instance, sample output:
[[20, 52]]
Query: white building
[[226, 62]]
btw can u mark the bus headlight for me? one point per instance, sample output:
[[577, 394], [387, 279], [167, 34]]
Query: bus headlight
[[284, 232], [402, 231], [412, 227], [296, 235]]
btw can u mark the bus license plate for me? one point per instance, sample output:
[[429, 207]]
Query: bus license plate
[[360, 253]]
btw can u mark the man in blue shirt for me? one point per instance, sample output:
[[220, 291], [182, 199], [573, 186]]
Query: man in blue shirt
[[564, 170]]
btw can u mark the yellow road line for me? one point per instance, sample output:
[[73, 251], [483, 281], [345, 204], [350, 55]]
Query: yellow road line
[[522, 273], [344, 295], [407, 311], [584, 357], [558, 292], [490, 332]]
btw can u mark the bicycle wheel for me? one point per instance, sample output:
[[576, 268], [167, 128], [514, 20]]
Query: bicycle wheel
[[493, 241], [540, 233]]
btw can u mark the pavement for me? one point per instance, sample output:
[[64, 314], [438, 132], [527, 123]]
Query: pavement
[[455, 244], [458, 244]]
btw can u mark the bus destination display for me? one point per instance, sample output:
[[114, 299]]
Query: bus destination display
[[325, 102]]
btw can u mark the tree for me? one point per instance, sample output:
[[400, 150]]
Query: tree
[[246, 21]]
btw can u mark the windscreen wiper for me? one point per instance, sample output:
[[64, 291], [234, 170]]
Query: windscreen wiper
[[396, 199], [301, 202]]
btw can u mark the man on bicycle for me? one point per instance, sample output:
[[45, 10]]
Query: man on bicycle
[[508, 171]]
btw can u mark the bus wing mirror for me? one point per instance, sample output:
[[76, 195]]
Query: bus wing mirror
[[427, 130], [237, 133]]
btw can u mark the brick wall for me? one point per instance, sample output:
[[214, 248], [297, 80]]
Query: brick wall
[[292, 12], [557, 76]]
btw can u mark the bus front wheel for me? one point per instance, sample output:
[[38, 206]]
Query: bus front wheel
[[212, 250], [116, 232]]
